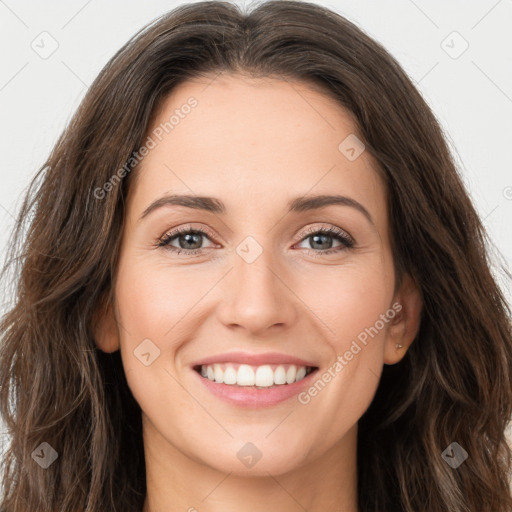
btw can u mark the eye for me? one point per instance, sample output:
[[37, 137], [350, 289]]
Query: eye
[[189, 240], [322, 238]]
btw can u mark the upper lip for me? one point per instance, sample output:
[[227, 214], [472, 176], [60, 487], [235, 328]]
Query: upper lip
[[254, 359]]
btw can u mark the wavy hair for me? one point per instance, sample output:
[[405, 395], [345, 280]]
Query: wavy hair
[[57, 387]]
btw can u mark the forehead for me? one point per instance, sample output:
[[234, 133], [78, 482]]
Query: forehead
[[266, 139]]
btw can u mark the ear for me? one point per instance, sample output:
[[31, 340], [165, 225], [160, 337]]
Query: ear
[[105, 329], [408, 304]]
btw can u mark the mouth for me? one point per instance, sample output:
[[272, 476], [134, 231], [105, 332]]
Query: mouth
[[266, 376], [254, 380]]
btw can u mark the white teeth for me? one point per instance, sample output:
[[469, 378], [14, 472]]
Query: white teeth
[[264, 376], [230, 375], [301, 373], [290, 374], [280, 375], [245, 375], [218, 373]]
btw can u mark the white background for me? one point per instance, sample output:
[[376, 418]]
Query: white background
[[471, 95]]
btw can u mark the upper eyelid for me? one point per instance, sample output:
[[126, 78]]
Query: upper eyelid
[[334, 229]]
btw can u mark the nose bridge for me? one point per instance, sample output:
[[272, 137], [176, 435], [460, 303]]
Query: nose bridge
[[254, 295], [254, 265]]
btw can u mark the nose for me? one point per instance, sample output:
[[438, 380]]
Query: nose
[[256, 296]]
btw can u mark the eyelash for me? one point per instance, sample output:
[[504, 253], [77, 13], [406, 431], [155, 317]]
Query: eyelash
[[341, 236]]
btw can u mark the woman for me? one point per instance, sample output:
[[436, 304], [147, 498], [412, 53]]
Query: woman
[[255, 369]]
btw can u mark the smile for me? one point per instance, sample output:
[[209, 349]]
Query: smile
[[254, 380], [263, 376]]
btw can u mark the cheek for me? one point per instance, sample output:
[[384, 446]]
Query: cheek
[[360, 315], [153, 297], [353, 304], [154, 305], [348, 300], [151, 303]]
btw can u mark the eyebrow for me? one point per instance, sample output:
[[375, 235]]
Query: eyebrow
[[297, 205]]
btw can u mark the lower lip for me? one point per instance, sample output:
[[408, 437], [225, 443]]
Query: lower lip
[[250, 397]]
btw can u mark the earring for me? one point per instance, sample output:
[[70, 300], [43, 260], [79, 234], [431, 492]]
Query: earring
[[398, 346]]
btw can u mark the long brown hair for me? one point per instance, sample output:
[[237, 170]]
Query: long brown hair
[[453, 385]]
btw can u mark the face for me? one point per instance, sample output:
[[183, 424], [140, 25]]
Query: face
[[261, 283]]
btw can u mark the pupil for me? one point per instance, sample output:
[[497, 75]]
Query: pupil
[[316, 237], [187, 238]]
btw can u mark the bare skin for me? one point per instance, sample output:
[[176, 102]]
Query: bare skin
[[255, 145]]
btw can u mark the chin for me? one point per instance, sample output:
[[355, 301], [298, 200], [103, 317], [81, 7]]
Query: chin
[[253, 458]]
